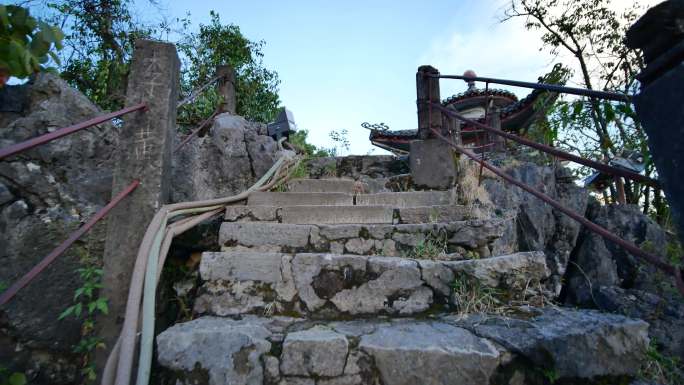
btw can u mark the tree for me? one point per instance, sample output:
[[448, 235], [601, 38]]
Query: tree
[[593, 34], [26, 44], [223, 44]]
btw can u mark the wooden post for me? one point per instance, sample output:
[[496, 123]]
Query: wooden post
[[144, 153], [226, 88], [427, 90]]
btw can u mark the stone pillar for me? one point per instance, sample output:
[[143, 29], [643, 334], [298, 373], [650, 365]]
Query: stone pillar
[[427, 90], [431, 159], [494, 120], [659, 34], [144, 153], [226, 88]]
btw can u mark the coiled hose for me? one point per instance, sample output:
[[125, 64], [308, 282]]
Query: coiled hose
[[147, 270]]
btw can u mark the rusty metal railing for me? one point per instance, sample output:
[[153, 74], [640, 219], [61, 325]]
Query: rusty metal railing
[[45, 138], [37, 269], [542, 86], [630, 247], [611, 170]]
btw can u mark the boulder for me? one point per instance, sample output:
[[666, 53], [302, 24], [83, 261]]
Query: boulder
[[583, 344]]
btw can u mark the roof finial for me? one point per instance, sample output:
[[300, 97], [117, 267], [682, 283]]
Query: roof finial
[[471, 83]]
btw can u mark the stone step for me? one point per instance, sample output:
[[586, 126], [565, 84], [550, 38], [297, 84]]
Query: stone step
[[323, 185], [350, 214], [580, 346], [336, 214], [472, 238], [315, 284], [435, 214], [262, 198], [407, 199], [311, 214]]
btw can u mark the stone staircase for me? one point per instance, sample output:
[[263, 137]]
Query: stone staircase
[[328, 285]]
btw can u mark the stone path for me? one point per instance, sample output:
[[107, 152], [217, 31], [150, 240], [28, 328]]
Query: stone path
[[323, 285]]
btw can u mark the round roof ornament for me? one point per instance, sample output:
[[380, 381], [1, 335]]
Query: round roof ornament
[[471, 83]]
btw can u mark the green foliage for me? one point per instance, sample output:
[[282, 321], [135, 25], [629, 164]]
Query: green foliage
[[432, 247], [299, 139], [26, 44], [99, 42], [661, 368], [218, 44], [14, 378], [87, 304], [591, 34]]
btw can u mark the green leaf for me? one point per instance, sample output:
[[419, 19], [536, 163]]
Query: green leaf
[[102, 305], [17, 379], [91, 307], [68, 311], [77, 309], [4, 20]]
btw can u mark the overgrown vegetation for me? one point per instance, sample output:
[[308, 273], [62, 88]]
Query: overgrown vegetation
[[660, 368], [26, 44], [432, 247], [87, 303], [471, 296], [12, 378], [588, 37]]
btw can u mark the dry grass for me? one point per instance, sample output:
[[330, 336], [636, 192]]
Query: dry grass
[[471, 191]]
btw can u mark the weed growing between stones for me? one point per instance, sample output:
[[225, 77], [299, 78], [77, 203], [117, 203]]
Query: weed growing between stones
[[660, 368], [86, 304], [430, 248], [470, 296]]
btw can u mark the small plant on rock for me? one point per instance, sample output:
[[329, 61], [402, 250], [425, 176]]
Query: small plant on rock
[[660, 368], [87, 303], [432, 247]]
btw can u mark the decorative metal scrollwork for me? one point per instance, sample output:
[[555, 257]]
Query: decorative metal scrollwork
[[377, 126]]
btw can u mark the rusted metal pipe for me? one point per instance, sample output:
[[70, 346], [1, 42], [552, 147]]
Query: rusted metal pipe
[[42, 139], [196, 131], [629, 246], [37, 269], [556, 152], [543, 86]]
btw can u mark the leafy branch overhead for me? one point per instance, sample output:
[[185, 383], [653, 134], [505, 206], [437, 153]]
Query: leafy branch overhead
[[26, 44]]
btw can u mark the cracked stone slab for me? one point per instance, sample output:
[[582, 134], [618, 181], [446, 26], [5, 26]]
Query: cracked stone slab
[[227, 350], [409, 352], [247, 282], [574, 343]]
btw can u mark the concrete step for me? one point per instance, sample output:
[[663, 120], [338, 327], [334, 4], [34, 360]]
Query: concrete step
[[580, 345], [323, 185], [311, 214], [299, 199], [336, 214], [407, 199], [435, 214], [239, 282], [462, 239]]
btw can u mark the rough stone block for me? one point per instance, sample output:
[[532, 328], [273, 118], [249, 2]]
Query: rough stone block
[[299, 199], [260, 234], [408, 353], [314, 352], [336, 214], [241, 266], [509, 271], [432, 164]]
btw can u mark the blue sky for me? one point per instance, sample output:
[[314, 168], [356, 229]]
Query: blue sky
[[345, 62]]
